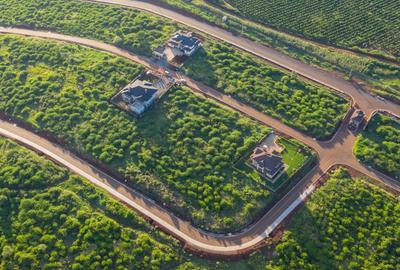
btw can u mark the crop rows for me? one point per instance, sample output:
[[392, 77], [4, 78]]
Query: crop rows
[[371, 25]]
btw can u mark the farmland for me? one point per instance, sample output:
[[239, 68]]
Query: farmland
[[357, 24], [379, 145], [180, 153], [304, 106]]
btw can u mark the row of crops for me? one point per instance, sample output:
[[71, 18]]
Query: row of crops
[[365, 24]]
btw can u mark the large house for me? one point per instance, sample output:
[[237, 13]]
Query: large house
[[269, 164], [185, 41], [181, 44], [139, 95]]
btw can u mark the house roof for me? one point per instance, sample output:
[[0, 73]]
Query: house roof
[[160, 49], [272, 163], [140, 90], [186, 39]]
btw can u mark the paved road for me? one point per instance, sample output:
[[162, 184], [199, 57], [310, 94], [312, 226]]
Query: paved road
[[335, 152]]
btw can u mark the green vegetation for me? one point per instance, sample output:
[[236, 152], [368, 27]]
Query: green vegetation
[[295, 156], [347, 224], [310, 108], [50, 219], [180, 153], [379, 144], [304, 106], [131, 29], [381, 77], [350, 24]]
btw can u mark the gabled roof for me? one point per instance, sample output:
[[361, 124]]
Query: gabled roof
[[272, 163], [186, 39], [140, 90]]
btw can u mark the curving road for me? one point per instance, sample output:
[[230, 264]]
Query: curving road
[[266, 53], [337, 151]]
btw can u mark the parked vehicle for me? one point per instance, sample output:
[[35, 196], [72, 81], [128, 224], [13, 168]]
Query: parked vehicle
[[356, 120]]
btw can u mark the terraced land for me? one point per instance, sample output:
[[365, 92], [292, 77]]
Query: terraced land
[[307, 107], [379, 145], [360, 24], [180, 153]]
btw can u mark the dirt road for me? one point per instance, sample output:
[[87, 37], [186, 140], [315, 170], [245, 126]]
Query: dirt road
[[337, 151]]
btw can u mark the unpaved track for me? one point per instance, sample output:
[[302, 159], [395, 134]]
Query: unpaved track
[[338, 151]]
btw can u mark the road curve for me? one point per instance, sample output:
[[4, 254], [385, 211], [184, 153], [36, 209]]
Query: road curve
[[264, 52], [334, 152]]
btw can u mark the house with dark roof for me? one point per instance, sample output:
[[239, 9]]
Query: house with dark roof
[[139, 95], [268, 164], [185, 41]]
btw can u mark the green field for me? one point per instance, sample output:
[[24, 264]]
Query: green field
[[379, 145], [180, 153], [299, 104], [360, 24]]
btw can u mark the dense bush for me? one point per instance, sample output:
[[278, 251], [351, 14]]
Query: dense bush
[[44, 224], [307, 107], [128, 28], [50, 219], [346, 23], [181, 152], [379, 145], [347, 224]]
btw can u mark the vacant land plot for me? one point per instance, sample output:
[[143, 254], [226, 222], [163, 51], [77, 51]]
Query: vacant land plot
[[379, 145], [50, 219], [310, 108], [361, 24], [131, 29], [181, 152], [305, 106], [341, 227]]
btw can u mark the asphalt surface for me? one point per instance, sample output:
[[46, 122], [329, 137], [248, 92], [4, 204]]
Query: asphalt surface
[[337, 151]]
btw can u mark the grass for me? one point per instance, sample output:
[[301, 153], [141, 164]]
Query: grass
[[295, 156]]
